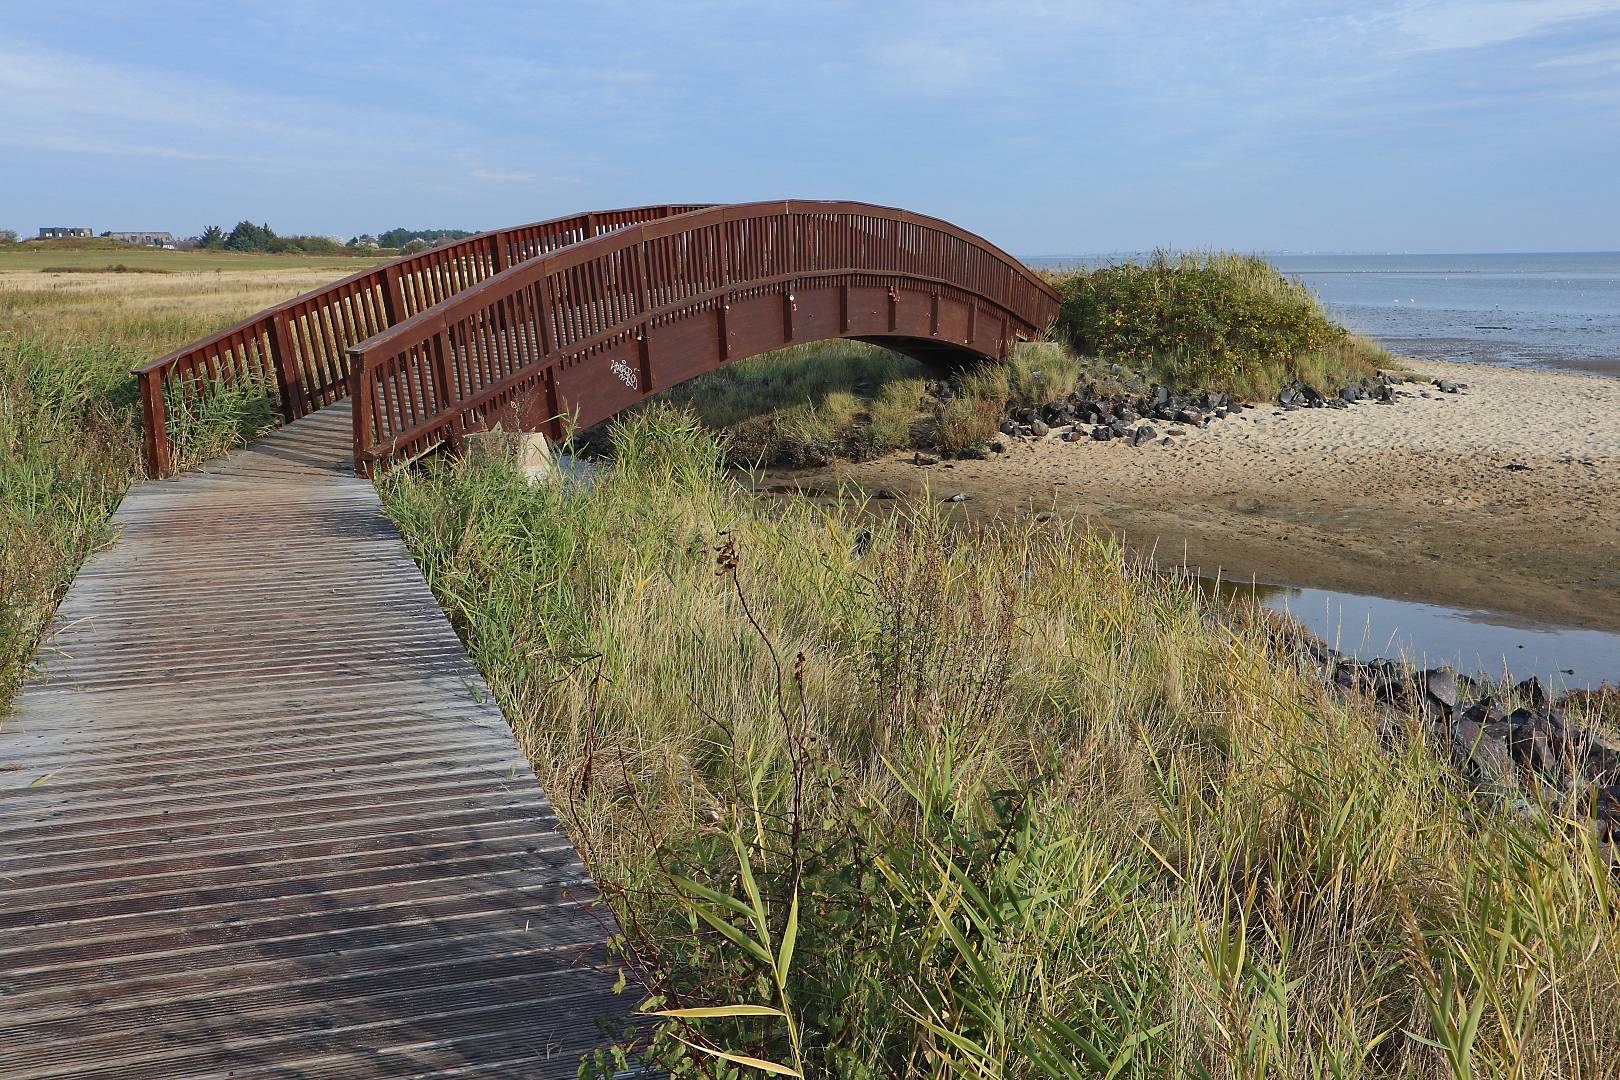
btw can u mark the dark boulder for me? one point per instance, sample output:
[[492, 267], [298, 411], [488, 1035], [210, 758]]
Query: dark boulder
[[1478, 754], [1143, 433], [1485, 711], [971, 453], [1439, 688], [1533, 692], [1532, 747]]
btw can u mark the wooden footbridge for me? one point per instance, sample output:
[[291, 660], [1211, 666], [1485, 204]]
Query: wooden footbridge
[[260, 815]]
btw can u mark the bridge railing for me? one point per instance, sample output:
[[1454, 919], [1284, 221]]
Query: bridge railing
[[297, 350], [424, 382]]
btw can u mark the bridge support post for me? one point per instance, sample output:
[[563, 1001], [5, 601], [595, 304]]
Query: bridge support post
[[281, 357], [393, 295], [154, 417], [644, 354], [722, 306], [442, 391]]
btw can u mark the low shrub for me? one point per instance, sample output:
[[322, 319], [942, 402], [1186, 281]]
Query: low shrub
[[1204, 318]]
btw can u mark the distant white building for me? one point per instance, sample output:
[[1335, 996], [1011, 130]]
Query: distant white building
[[365, 240], [147, 239], [57, 234]]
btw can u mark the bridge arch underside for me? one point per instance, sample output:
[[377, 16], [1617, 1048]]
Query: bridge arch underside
[[943, 327]]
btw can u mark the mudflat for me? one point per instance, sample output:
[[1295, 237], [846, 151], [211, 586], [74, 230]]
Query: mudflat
[[1505, 497]]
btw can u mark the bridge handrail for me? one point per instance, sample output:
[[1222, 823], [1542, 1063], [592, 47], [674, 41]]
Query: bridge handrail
[[458, 356], [300, 346]]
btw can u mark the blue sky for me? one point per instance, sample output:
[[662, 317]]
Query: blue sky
[[1050, 128]]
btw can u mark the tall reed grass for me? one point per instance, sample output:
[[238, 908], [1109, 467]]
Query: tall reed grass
[[877, 798]]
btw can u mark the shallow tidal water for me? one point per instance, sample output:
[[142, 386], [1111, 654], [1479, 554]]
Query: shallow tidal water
[[1551, 310], [1468, 641]]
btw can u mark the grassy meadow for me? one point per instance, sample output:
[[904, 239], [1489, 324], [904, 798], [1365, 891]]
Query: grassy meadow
[[89, 254], [876, 797]]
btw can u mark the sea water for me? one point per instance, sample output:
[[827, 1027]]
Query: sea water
[[1553, 311]]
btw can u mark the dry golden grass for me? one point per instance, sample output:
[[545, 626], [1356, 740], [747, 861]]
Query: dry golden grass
[[140, 308], [82, 255]]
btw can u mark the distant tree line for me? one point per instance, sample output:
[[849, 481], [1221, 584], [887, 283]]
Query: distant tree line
[[418, 238], [247, 236]]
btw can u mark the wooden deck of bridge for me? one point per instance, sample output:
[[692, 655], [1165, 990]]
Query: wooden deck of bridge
[[261, 817]]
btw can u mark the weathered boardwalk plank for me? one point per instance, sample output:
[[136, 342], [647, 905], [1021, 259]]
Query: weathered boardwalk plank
[[260, 817]]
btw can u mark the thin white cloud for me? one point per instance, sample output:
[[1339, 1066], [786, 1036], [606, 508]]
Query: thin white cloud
[[1471, 24], [66, 102]]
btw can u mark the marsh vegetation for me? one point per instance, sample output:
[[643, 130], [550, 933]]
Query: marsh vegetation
[[877, 797]]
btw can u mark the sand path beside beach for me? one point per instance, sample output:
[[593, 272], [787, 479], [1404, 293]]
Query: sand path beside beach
[[1505, 497]]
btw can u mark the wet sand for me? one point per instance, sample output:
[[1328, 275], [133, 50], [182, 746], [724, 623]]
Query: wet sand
[[1505, 497]]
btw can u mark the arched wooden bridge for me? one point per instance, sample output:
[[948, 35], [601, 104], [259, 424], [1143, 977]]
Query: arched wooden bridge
[[562, 324], [259, 815]]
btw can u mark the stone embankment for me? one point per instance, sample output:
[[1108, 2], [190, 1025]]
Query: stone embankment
[[1516, 745], [1131, 416]]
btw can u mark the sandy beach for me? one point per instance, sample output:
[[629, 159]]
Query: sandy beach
[[1505, 497]]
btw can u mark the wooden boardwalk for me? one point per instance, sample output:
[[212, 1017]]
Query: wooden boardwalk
[[261, 818]]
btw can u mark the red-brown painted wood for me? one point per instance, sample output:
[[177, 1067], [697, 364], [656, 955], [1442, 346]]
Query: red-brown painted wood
[[658, 302]]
